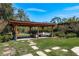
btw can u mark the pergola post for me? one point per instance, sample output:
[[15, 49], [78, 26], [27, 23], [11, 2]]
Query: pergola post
[[14, 32], [30, 28], [52, 32], [37, 35]]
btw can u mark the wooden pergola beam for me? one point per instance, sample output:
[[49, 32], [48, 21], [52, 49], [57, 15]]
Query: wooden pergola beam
[[19, 23]]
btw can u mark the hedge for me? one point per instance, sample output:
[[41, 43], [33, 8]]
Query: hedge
[[71, 35], [5, 38]]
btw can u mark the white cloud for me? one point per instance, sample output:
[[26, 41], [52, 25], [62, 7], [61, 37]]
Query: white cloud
[[72, 8], [69, 15], [36, 9], [61, 15]]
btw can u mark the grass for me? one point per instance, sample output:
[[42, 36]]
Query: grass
[[66, 43], [61, 53], [1, 49], [22, 47], [62, 42]]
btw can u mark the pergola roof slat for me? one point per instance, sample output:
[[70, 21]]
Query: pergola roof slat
[[26, 23]]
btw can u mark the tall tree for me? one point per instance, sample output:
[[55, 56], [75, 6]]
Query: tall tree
[[26, 18], [22, 16], [73, 19], [8, 14], [64, 20], [56, 20]]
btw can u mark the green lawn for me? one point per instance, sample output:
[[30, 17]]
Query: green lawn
[[61, 53], [66, 43], [62, 42], [23, 48]]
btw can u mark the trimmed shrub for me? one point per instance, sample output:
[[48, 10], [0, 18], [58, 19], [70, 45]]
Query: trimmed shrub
[[59, 34], [71, 35], [1, 38], [5, 38]]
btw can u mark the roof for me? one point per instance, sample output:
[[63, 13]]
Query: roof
[[28, 23]]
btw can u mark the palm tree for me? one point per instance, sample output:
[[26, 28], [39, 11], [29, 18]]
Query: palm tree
[[26, 18], [73, 19], [20, 14], [64, 20]]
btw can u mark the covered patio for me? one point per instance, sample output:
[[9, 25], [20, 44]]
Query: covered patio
[[14, 24]]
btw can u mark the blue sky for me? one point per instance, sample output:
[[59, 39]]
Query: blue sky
[[44, 12]]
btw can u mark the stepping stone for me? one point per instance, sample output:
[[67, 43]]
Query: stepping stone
[[5, 49], [76, 50], [35, 47], [47, 50], [13, 51], [64, 50], [7, 52], [40, 53], [28, 54], [29, 40], [32, 44], [55, 48]]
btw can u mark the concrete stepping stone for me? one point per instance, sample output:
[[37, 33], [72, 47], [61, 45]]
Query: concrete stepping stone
[[29, 40], [32, 44], [76, 50], [56, 48], [5, 49], [28, 54], [41, 53], [35, 47], [13, 51], [64, 50], [7, 52], [47, 50]]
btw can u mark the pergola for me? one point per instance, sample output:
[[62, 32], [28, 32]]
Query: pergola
[[14, 25]]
